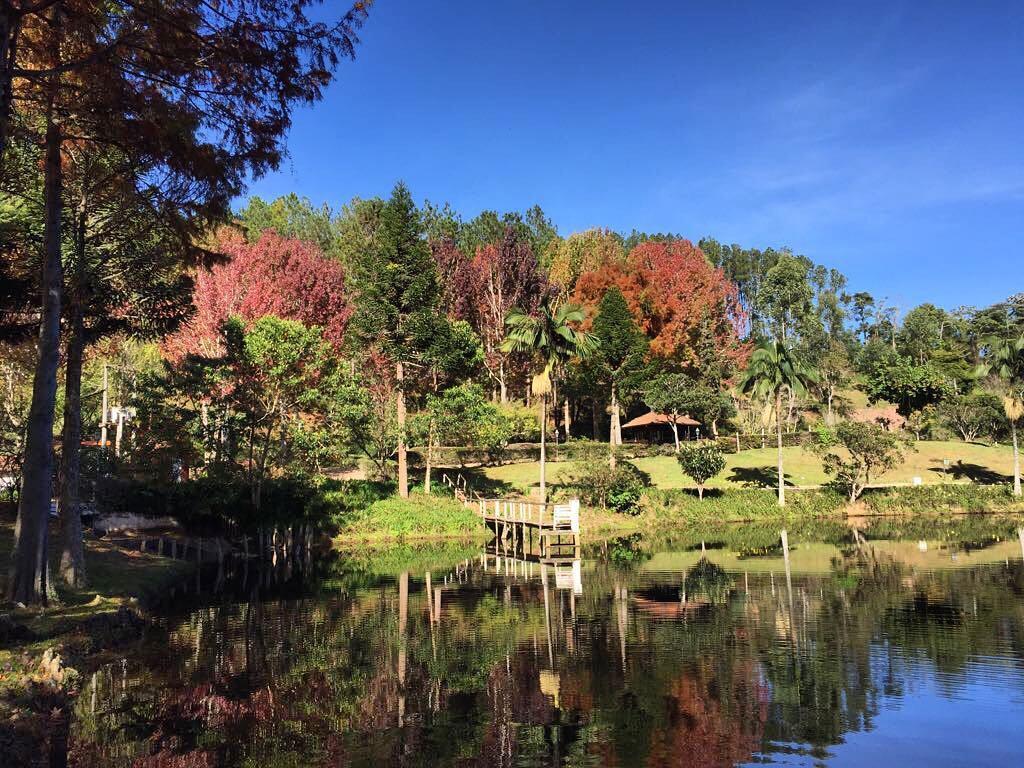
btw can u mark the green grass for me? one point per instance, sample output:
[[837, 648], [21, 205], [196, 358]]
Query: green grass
[[756, 468], [418, 517], [116, 576]]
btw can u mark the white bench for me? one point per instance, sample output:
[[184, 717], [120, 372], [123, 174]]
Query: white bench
[[566, 516]]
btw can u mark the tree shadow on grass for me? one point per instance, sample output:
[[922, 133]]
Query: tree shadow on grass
[[477, 481], [976, 473], [758, 477]]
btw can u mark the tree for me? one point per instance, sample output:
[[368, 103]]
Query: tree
[[275, 275], [397, 301], [863, 314], [911, 386], [974, 415], [773, 371], [580, 253], [462, 415], [1004, 358], [701, 462], [551, 338], [868, 451], [922, 332], [834, 374], [295, 218], [678, 395], [619, 359], [483, 289], [786, 295], [679, 292], [278, 370], [275, 54], [126, 274], [149, 78]]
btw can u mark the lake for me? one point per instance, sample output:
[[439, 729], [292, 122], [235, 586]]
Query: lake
[[884, 643]]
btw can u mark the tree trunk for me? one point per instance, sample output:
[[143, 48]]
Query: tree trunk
[[700, 491], [503, 386], [778, 434], [829, 418], [616, 428], [675, 434], [567, 418], [27, 582], [403, 463], [72, 559], [613, 428], [430, 456], [1016, 459], [9, 28], [543, 456]]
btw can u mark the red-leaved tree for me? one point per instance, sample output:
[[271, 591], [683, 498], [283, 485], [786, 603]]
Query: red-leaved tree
[[483, 289], [676, 296], [278, 276]]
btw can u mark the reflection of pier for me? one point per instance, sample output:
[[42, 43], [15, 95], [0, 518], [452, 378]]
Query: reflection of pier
[[528, 529], [567, 570]]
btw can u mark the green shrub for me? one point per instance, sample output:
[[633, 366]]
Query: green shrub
[[338, 498], [700, 462], [600, 485], [929, 499]]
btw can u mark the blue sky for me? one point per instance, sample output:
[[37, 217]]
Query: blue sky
[[885, 139]]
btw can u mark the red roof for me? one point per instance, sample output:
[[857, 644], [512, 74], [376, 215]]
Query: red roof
[[659, 418]]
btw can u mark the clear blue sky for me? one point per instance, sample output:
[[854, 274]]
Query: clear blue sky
[[886, 139]]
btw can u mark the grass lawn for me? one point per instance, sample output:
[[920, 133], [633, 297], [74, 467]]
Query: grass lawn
[[756, 468], [115, 576], [418, 517]]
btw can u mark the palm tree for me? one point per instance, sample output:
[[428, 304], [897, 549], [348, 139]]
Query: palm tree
[[1005, 358], [773, 370], [551, 338]]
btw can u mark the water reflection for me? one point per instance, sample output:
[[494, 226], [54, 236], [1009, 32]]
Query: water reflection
[[824, 645]]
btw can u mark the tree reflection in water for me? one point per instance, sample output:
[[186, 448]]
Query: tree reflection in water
[[674, 655]]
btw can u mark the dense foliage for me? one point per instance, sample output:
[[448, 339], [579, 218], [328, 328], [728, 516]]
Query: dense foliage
[[700, 463]]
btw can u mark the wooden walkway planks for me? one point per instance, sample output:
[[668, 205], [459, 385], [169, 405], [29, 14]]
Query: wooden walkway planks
[[519, 523]]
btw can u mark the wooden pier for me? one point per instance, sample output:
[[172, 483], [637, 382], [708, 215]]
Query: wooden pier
[[522, 527]]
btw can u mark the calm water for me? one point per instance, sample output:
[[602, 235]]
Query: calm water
[[900, 644]]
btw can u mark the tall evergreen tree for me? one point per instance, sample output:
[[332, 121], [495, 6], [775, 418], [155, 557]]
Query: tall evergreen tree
[[397, 300], [618, 361]]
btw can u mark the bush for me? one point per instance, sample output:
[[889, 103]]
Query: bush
[[736, 505], [975, 415], [601, 485], [216, 504], [700, 462], [868, 451], [338, 498], [930, 499]]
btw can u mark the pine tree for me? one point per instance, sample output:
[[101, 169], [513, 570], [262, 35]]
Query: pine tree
[[397, 300], [621, 355]]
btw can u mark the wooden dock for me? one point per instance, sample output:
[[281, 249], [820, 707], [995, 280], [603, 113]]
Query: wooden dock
[[522, 527]]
